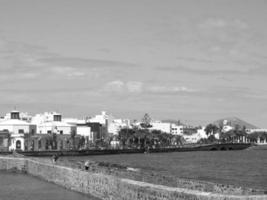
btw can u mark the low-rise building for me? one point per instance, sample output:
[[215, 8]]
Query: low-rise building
[[49, 123], [177, 129], [117, 124], [161, 126], [19, 130]]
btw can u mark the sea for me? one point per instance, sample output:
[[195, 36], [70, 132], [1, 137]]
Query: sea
[[245, 168]]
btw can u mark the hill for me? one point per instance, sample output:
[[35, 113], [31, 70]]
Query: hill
[[172, 121], [233, 121]]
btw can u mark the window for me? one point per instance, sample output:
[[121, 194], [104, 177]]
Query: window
[[21, 131]]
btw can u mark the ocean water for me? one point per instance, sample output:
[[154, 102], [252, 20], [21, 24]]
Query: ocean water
[[15, 186], [247, 168]]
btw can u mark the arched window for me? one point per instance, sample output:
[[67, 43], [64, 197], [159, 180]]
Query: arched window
[[18, 144]]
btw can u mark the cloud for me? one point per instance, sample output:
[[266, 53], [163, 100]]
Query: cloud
[[114, 86], [169, 90], [200, 71], [139, 87], [67, 71], [223, 23], [23, 61], [134, 86], [120, 86], [85, 63]]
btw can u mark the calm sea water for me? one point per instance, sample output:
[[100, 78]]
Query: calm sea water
[[23, 187], [247, 168]]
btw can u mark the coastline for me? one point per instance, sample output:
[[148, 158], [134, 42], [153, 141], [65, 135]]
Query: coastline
[[187, 148]]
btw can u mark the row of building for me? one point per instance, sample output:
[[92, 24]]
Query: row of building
[[20, 131], [16, 129]]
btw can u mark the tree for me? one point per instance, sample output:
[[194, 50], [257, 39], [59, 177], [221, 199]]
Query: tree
[[237, 127], [211, 129], [125, 135], [212, 139], [81, 143], [177, 140], [146, 121]]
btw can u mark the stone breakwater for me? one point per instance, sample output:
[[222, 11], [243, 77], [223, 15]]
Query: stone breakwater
[[110, 187]]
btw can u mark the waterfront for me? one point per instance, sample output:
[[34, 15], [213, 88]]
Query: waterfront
[[24, 187], [245, 168]]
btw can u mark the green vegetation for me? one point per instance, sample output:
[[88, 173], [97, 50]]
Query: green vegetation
[[144, 138]]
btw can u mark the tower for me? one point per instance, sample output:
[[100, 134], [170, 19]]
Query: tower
[[14, 114]]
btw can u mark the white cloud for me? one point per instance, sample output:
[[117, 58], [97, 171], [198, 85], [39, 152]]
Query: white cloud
[[224, 23], [120, 86], [114, 86], [134, 86], [139, 87], [171, 89], [67, 71]]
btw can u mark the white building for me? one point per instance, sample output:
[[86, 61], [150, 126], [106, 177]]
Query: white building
[[102, 118], [195, 137], [22, 115], [85, 131], [117, 124], [201, 132], [81, 128], [17, 126], [74, 121], [48, 123], [113, 126], [44, 117], [18, 130], [161, 126], [177, 129]]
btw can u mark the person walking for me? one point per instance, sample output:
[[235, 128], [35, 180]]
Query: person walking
[[86, 165], [55, 158]]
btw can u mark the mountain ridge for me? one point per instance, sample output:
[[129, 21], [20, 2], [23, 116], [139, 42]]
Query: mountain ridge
[[233, 121]]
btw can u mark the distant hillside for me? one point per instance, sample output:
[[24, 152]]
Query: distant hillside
[[172, 121], [233, 121]]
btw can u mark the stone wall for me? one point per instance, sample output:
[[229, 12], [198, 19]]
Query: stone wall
[[107, 186]]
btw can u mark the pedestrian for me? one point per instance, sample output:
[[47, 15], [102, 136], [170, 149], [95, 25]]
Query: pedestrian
[[55, 158], [86, 165]]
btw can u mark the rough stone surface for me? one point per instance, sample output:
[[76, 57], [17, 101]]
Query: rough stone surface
[[110, 187]]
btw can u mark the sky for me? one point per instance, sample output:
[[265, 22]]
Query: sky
[[189, 60]]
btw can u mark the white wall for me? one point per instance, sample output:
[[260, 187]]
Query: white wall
[[56, 128], [84, 131], [164, 127], [176, 129], [14, 129]]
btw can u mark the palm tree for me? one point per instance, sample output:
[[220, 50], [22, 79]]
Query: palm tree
[[146, 121], [211, 129]]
